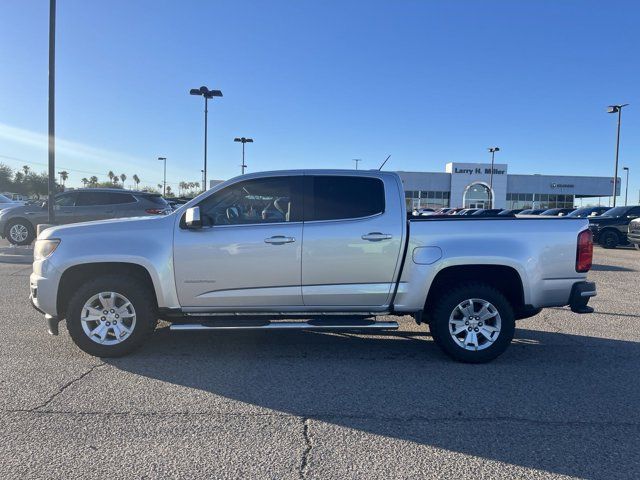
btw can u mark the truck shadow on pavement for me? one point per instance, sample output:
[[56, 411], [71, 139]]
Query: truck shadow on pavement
[[559, 403]]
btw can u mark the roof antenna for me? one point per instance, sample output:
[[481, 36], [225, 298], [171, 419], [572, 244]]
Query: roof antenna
[[385, 161]]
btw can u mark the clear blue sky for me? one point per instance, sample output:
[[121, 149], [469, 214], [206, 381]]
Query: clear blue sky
[[317, 84]]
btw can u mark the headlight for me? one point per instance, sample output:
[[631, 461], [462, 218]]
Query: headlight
[[44, 248]]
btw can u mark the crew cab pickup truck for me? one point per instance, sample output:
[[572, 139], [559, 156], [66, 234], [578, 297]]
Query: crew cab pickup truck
[[313, 249]]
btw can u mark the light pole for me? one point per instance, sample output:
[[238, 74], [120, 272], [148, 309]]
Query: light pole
[[493, 151], [243, 140], [164, 182], [616, 109], [626, 190], [357, 160], [207, 94], [52, 116], [204, 187]]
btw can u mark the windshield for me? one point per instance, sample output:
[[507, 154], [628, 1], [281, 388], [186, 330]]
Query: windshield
[[4, 199], [615, 212], [581, 212]]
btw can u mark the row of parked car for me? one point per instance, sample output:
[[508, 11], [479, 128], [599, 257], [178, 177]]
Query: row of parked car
[[18, 219], [611, 227]]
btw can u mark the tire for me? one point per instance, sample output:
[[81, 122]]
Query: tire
[[446, 312], [140, 325], [19, 232], [609, 239]]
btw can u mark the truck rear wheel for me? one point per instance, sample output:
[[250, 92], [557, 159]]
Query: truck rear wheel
[[111, 316], [473, 323]]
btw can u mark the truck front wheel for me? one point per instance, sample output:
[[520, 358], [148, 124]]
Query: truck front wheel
[[111, 316], [472, 323]]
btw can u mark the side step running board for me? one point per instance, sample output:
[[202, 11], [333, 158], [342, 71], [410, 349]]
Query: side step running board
[[310, 325]]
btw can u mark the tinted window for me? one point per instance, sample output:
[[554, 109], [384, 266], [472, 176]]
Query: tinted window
[[4, 199], [115, 198], [67, 200], [263, 200], [87, 199], [336, 198], [155, 199]]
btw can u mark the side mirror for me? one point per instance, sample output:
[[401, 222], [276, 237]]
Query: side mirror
[[192, 218]]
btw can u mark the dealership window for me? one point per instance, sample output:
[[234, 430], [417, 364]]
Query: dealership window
[[426, 199], [539, 200]]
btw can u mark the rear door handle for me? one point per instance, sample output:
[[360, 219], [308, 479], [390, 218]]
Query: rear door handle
[[279, 240], [376, 236]]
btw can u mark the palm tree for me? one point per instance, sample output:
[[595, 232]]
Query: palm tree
[[136, 180], [25, 169], [115, 180], [63, 176], [160, 186], [84, 182], [93, 181], [111, 175], [168, 191], [123, 177]]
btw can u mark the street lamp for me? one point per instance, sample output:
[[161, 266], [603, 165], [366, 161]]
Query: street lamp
[[616, 109], [51, 184], [164, 182], [626, 190], [207, 94], [243, 140], [357, 160], [492, 151]]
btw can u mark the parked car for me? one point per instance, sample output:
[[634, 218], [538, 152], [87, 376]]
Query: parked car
[[508, 213], [467, 211], [533, 211], [610, 229], [424, 211], [588, 212], [18, 224], [486, 212], [218, 264], [454, 211], [633, 234], [7, 203], [557, 212]]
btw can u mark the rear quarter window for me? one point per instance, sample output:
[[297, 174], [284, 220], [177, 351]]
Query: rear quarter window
[[340, 198], [155, 199]]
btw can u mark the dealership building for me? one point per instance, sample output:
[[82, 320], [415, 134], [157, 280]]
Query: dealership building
[[469, 185]]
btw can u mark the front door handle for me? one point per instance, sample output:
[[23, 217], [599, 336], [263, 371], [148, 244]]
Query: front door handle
[[376, 236], [279, 240]]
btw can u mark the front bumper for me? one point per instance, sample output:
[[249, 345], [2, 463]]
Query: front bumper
[[634, 237], [52, 321], [581, 292]]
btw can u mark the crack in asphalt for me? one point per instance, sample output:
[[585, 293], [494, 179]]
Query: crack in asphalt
[[64, 387], [336, 418], [304, 463]]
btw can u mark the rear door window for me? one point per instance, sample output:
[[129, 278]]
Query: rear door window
[[116, 198], [89, 199], [66, 200], [340, 198]]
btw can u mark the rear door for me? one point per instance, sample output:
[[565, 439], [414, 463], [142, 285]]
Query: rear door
[[93, 206], [352, 240]]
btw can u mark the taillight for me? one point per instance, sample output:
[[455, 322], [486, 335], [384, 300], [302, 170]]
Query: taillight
[[154, 211], [584, 255]]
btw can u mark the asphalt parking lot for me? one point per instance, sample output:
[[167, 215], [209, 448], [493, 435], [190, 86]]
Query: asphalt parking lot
[[562, 402]]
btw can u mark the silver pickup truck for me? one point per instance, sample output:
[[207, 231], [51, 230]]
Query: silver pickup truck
[[312, 249]]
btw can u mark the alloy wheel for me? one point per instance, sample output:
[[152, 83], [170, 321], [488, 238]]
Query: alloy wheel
[[108, 318], [474, 324]]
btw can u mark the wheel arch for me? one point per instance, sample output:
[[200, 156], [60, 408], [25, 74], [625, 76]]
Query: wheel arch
[[75, 275], [504, 278]]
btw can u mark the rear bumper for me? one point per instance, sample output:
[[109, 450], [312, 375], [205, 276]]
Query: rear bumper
[[581, 292]]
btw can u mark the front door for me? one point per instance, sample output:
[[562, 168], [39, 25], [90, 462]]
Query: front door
[[248, 254], [352, 241]]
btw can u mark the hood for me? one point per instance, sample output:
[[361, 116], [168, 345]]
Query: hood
[[111, 227], [602, 220]]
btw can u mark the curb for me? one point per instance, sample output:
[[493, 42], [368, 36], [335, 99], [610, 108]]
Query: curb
[[16, 255]]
